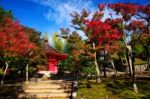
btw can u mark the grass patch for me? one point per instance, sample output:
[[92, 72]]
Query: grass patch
[[113, 89], [122, 88], [92, 90]]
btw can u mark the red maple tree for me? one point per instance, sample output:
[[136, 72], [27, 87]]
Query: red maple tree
[[136, 19], [13, 38], [103, 33], [14, 41]]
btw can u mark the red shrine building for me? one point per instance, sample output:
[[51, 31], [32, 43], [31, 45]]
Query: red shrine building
[[53, 56]]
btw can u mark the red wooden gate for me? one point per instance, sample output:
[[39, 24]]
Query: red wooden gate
[[53, 66]]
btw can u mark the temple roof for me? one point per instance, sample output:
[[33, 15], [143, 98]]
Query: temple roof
[[51, 51]]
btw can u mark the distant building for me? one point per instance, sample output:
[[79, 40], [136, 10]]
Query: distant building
[[53, 56]]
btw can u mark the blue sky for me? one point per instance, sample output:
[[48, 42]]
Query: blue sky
[[51, 15]]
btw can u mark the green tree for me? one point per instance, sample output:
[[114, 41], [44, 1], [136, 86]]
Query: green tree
[[4, 13], [58, 42], [74, 48]]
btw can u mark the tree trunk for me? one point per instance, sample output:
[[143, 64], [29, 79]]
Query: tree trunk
[[129, 61], [98, 80], [104, 65], [27, 67], [135, 88], [27, 73], [112, 63], [131, 64], [2, 81]]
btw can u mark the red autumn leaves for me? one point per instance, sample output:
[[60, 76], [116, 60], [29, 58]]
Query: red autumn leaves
[[124, 8], [128, 10], [109, 32], [102, 31], [136, 18], [14, 41], [136, 24]]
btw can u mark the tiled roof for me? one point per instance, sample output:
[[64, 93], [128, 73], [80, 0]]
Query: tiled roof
[[51, 51]]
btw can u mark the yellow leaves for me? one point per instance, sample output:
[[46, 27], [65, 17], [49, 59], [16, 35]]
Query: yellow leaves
[[145, 38], [115, 56]]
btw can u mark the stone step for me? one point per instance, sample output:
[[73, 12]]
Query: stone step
[[44, 96], [51, 82], [40, 84], [48, 81], [44, 87], [44, 91], [47, 87], [51, 89]]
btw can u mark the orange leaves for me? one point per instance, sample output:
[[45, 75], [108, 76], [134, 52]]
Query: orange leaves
[[135, 24], [145, 38], [125, 8], [76, 54], [113, 47]]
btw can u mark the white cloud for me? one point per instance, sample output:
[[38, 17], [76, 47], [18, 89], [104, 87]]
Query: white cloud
[[59, 10], [50, 41]]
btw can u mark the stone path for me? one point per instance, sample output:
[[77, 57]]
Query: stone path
[[51, 89]]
